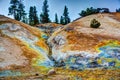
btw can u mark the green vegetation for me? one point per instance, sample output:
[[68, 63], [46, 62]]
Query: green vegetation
[[61, 20], [94, 23], [17, 10], [56, 18], [88, 11], [44, 16], [118, 10], [33, 18], [92, 10], [65, 19]]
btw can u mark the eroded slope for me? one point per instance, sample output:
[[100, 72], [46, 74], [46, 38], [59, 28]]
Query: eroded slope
[[80, 46], [21, 47]]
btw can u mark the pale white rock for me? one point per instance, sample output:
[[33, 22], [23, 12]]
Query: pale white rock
[[2, 48], [59, 40], [51, 72], [14, 27]]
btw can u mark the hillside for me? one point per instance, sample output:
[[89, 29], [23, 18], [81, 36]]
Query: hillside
[[21, 45], [80, 46], [49, 28], [76, 51]]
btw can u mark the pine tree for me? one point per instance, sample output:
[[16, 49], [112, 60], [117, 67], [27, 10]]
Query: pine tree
[[118, 10], [92, 10], [25, 19], [17, 9], [56, 18], [13, 8], [31, 19], [61, 20], [44, 16], [36, 21], [95, 24], [21, 12], [65, 16]]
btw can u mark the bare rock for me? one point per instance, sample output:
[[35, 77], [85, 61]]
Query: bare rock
[[51, 72], [1, 59]]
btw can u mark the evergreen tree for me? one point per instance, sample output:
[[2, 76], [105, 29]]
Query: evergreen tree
[[25, 19], [31, 19], [13, 8], [92, 10], [21, 12], [44, 16], [61, 20], [65, 16], [17, 9], [83, 13], [89, 11], [118, 10], [105, 10], [56, 18], [95, 24], [36, 21]]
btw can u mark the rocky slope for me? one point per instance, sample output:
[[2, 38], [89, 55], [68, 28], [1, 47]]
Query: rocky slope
[[21, 47], [79, 46], [49, 28], [24, 52]]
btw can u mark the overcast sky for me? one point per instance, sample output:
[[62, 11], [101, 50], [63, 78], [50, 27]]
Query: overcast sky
[[57, 6]]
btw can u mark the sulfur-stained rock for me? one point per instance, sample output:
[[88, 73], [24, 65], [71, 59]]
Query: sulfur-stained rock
[[22, 48], [78, 43]]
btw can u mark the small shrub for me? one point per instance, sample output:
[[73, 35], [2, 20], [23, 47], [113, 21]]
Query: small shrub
[[94, 23]]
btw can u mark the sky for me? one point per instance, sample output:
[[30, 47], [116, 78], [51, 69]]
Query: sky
[[57, 6]]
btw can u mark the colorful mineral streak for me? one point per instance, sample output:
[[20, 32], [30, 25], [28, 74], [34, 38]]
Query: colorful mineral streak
[[107, 56], [110, 53]]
